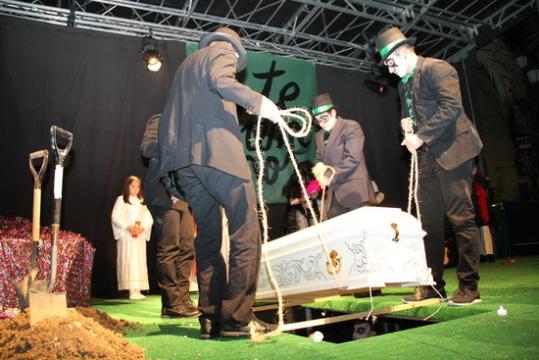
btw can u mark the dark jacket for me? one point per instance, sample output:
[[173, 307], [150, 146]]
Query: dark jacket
[[344, 152], [449, 135], [199, 124], [154, 191]]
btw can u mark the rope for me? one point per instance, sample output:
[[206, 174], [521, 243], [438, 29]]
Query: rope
[[439, 307], [305, 120], [322, 204], [413, 182], [372, 304], [413, 196], [306, 124]]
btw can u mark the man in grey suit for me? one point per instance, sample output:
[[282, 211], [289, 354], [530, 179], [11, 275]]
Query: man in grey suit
[[446, 141], [203, 161], [339, 144]]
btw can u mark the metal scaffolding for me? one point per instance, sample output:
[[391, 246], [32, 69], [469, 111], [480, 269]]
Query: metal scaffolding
[[331, 32]]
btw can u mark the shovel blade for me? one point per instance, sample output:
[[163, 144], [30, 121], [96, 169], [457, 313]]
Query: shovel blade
[[44, 305], [22, 289]]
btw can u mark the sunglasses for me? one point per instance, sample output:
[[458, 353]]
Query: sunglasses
[[390, 61], [322, 118]]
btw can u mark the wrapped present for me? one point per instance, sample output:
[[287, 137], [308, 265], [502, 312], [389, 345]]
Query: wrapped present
[[75, 260]]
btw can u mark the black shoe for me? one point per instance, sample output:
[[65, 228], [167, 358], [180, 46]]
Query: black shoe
[[184, 309], [257, 325], [424, 293], [465, 297], [208, 329]]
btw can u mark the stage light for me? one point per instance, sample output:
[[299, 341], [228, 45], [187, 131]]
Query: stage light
[[375, 86], [150, 54], [153, 63]]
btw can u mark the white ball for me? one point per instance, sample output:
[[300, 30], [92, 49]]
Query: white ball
[[502, 311], [316, 336]]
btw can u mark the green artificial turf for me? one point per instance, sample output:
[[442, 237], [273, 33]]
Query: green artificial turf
[[474, 332]]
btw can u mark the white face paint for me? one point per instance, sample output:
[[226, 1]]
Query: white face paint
[[398, 62], [327, 120]]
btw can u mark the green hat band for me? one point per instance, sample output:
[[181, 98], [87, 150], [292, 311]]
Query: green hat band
[[386, 49], [319, 110]]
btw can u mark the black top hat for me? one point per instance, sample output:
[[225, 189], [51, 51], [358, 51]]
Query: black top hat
[[321, 104], [229, 35], [390, 39]]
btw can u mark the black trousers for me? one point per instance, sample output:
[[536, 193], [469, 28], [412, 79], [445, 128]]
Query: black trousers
[[175, 252], [449, 192], [227, 300]]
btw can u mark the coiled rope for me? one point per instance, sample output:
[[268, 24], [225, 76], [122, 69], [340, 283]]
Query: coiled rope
[[303, 117], [413, 183]]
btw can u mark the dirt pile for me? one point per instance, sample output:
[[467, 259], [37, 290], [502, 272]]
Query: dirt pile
[[75, 337], [119, 326]]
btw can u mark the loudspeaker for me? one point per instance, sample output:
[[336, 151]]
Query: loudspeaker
[[513, 223]]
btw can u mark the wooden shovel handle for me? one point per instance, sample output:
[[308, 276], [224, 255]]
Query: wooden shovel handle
[[38, 175], [36, 214]]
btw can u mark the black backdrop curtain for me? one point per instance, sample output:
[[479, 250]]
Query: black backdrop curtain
[[379, 118], [96, 86]]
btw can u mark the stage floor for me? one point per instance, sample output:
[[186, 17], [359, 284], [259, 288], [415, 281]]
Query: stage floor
[[474, 332]]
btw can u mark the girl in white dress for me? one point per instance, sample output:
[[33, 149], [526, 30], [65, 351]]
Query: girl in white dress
[[132, 225]]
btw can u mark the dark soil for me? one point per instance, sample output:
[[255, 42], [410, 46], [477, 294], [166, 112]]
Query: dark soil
[[118, 326], [84, 334]]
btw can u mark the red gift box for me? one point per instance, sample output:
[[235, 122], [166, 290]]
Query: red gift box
[[75, 259]]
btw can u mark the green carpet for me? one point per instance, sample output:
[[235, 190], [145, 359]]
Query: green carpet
[[474, 332]]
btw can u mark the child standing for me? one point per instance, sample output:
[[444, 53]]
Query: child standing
[[131, 225]]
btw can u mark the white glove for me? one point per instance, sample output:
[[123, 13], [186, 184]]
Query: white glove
[[319, 172], [269, 110], [407, 125]]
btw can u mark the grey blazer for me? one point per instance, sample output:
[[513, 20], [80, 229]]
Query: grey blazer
[[344, 152], [449, 135], [199, 124]]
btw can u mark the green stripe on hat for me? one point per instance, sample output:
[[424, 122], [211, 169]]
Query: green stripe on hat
[[386, 49], [321, 109]]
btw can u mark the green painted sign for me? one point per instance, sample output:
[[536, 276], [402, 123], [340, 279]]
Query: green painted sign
[[289, 83]]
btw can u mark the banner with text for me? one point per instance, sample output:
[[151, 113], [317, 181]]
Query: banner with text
[[289, 83]]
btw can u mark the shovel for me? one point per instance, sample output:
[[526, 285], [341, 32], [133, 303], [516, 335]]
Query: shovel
[[26, 283], [45, 304], [59, 154]]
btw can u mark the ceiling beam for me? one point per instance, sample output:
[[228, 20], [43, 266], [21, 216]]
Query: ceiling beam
[[345, 46], [131, 27]]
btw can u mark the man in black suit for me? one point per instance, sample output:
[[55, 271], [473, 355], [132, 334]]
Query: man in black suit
[[339, 144], [446, 141], [203, 160], [174, 231]]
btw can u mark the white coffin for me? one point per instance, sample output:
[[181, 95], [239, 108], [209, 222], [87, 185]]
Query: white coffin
[[366, 249]]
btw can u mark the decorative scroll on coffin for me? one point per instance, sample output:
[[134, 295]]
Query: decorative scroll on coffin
[[370, 247]]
